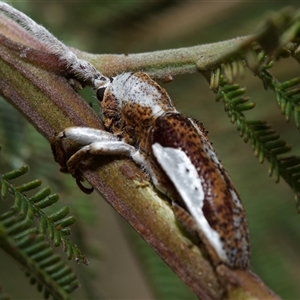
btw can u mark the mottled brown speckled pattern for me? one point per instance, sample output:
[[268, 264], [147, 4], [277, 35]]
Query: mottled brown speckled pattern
[[110, 111], [136, 122], [130, 119], [177, 131]]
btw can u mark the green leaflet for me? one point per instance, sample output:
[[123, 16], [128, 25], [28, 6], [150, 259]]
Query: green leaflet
[[277, 38], [28, 244], [287, 95], [266, 143]]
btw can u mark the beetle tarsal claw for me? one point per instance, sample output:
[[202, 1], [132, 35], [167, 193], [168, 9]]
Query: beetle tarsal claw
[[86, 190], [68, 161]]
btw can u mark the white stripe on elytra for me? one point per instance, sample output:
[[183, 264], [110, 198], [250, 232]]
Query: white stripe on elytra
[[184, 176]]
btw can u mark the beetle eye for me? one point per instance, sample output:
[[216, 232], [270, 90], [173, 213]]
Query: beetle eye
[[100, 93]]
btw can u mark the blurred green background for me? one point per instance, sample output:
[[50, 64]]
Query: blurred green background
[[142, 26]]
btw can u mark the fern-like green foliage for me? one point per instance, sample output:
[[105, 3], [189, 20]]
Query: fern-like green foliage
[[278, 38], [287, 94], [266, 143], [28, 244]]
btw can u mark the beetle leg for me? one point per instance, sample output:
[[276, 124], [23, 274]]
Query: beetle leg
[[100, 148], [96, 142], [85, 135]]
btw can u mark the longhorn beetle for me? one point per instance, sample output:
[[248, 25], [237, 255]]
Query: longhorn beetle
[[142, 123]]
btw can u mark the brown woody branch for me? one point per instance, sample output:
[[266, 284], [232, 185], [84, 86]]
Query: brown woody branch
[[41, 92]]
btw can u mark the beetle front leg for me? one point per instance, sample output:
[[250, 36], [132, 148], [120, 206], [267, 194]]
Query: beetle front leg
[[93, 142], [100, 148], [85, 135]]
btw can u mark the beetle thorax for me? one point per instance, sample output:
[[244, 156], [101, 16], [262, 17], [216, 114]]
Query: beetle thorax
[[131, 104]]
